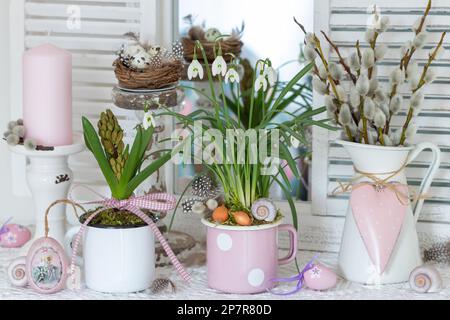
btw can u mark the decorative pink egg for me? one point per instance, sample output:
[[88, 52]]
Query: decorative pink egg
[[14, 236], [320, 278], [46, 266]]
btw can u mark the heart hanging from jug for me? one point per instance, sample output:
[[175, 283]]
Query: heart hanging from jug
[[379, 216]]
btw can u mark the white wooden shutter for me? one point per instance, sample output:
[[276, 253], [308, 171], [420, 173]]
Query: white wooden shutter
[[93, 45], [345, 21]]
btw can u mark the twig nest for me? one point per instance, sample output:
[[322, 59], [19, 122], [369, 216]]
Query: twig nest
[[196, 33], [425, 279], [264, 209]]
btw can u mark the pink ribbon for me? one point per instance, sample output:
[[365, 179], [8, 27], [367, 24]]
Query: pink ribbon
[[153, 201]]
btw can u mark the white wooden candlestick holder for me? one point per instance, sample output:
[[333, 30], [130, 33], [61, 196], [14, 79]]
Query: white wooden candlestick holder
[[49, 178]]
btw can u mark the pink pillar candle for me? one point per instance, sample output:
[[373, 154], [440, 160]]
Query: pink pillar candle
[[47, 95]]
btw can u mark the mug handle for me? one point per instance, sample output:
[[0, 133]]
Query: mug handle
[[68, 243], [426, 183], [292, 243]]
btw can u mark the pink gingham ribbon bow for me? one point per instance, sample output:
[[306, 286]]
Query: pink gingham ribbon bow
[[153, 201]]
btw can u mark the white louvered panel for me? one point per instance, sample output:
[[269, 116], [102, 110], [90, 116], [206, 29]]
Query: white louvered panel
[[347, 22], [93, 46]]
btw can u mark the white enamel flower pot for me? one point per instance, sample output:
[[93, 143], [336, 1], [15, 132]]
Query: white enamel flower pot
[[354, 261], [116, 260]]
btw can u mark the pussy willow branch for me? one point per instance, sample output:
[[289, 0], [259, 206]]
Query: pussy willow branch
[[422, 82]]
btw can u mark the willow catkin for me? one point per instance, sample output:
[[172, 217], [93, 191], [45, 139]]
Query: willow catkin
[[368, 58], [397, 76], [379, 96], [309, 52], [322, 71], [379, 118], [369, 35], [354, 98], [396, 104], [319, 85], [336, 71], [417, 100], [345, 116], [354, 63], [342, 94], [380, 51], [363, 85], [369, 108], [420, 40], [430, 76]]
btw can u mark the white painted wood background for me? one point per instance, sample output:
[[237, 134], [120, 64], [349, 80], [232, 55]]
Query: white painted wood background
[[105, 21]]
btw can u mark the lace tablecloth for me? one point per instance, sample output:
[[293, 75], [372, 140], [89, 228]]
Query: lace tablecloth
[[198, 288]]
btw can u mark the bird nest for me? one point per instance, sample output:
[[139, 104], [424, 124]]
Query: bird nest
[[169, 72], [229, 45]]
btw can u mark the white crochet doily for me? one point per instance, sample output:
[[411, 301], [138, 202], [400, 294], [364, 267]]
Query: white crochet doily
[[198, 288]]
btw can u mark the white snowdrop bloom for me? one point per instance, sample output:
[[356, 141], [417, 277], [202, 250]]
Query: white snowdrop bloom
[[322, 71], [369, 35], [195, 70], [319, 85], [261, 83], [379, 118], [232, 76], [380, 51], [440, 52], [354, 61], [310, 39], [345, 116], [396, 104], [383, 24], [406, 47], [219, 66], [413, 70], [271, 75], [397, 76], [355, 98], [149, 120], [369, 108], [363, 85], [430, 76], [373, 85], [387, 140], [329, 104], [411, 132], [420, 39], [417, 100], [310, 53], [368, 58], [380, 96], [336, 71], [342, 95]]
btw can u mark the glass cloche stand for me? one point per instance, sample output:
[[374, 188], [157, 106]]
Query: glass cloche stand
[[132, 103]]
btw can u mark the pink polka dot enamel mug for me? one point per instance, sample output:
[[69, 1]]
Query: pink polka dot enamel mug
[[245, 259]]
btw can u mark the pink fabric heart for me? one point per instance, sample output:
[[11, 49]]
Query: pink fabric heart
[[379, 215]]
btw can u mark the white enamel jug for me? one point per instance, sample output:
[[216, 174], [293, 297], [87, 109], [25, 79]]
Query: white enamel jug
[[354, 261]]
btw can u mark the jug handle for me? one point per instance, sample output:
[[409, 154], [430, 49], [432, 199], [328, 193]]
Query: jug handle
[[426, 183]]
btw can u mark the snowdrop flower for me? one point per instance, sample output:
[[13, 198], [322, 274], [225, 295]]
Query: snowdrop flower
[[369, 35], [12, 140], [271, 75], [329, 104], [219, 66], [420, 39], [368, 58], [363, 85], [345, 116], [30, 144], [195, 70], [310, 53], [355, 98], [19, 131], [336, 71], [396, 104], [380, 96], [319, 86], [322, 71], [379, 118], [397, 76], [310, 39], [411, 131], [417, 100], [149, 120], [430, 76], [369, 108], [261, 82], [342, 95], [380, 51], [354, 62], [232, 76]]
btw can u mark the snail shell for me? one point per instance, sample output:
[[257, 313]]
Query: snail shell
[[17, 272], [264, 209], [425, 278]]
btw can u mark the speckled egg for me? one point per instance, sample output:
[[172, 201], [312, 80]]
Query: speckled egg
[[320, 278], [212, 34], [15, 236]]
